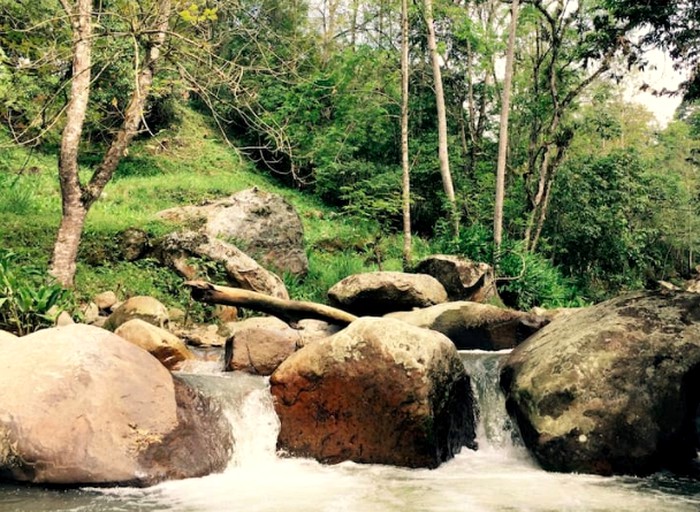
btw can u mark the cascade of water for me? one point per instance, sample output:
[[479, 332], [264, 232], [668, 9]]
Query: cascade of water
[[495, 429]]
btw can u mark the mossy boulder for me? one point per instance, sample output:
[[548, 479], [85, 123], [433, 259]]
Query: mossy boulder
[[611, 389]]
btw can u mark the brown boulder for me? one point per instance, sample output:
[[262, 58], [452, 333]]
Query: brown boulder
[[7, 336], [80, 405], [258, 350], [463, 279], [475, 326], [380, 391], [611, 389], [144, 308], [161, 344], [377, 293]]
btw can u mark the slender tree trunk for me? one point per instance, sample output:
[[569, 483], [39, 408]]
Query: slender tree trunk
[[76, 199], [503, 137], [442, 118], [73, 211], [406, 182]]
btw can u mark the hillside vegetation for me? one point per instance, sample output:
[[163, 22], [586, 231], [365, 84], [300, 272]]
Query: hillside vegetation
[[599, 198]]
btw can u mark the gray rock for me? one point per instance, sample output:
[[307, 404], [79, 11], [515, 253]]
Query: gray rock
[[262, 224], [380, 391], [378, 293], [611, 389], [193, 254], [475, 326], [463, 279]]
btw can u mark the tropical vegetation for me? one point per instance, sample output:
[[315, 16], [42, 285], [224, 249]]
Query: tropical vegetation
[[112, 110]]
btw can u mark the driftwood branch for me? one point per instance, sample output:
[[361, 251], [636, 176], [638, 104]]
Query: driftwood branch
[[290, 311]]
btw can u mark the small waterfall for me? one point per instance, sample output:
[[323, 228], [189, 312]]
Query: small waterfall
[[247, 403], [495, 429]]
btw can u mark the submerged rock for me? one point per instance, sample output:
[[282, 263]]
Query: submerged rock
[[475, 326], [82, 406], [611, 389], [380, 391], [377, 293]]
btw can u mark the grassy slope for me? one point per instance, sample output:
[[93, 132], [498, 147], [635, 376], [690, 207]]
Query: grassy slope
[[182, 166]]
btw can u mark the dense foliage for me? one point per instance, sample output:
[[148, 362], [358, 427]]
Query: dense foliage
[[599, 197]]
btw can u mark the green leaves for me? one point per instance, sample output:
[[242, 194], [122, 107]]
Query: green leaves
[[196, 13], [28, 301]]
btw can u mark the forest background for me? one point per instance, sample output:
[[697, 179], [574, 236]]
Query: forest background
[[305, 98]]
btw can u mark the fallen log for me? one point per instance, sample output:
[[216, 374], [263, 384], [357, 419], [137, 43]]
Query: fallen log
[[290, 311]]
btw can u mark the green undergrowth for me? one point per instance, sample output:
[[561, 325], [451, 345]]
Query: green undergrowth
[[187, 165]]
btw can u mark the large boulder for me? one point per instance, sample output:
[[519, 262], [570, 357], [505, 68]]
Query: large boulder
[[142, 307], [380, 391], [7, 336], [80, 406], [262, 224], [475, 326], [194, 255], [378, 293], [259, 350], [611, 389], [463, 279], [161, 344]]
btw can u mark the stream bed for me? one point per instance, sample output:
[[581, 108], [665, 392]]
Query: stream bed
[[500, 476]]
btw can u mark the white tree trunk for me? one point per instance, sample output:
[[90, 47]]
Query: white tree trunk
[[76, 199], [503, 137], [442, 118], [406, 182], [73, 211]]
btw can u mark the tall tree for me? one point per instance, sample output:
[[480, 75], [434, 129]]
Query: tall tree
[[570, 48], [76, 197], [443, 153], [503, 135], [406, 177]]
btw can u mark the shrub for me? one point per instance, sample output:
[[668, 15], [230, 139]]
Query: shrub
[[28, 301]]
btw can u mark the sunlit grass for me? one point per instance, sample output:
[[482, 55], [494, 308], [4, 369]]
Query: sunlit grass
[[180, 167]]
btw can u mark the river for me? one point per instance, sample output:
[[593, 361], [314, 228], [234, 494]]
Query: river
[[499, 477]]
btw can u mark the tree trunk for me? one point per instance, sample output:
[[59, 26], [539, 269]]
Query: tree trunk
[[442, 119], [76, 199], [406, 182], [503, 138], [73, 211], [291, 311]]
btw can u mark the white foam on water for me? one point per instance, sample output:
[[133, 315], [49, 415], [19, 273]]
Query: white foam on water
[[499, 477]]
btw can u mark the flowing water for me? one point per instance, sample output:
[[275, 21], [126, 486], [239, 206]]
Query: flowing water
[[500, 476]]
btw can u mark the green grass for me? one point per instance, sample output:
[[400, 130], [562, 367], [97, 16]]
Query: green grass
[[182, 166]]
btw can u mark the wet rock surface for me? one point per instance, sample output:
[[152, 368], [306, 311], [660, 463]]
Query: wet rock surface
[[380, 391]]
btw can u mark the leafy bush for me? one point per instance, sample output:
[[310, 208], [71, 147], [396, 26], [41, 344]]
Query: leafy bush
[[27, 300], [525, 279]]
